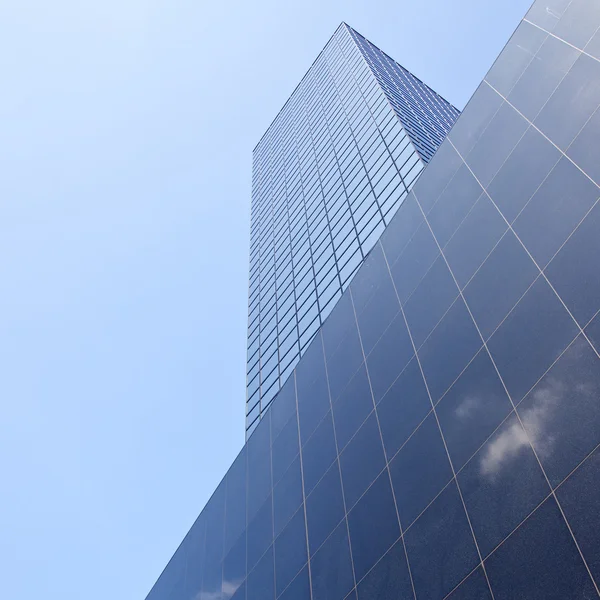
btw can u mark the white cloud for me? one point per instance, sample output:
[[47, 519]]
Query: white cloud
[[505, 448], [467, 407]]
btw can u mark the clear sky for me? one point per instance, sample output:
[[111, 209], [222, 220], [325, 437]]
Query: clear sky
[[126, 132]]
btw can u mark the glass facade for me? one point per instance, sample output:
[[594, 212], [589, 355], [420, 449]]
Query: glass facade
[[440, 436], [328, 175]]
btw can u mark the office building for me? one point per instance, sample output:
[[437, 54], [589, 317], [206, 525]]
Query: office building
[[439, 437], [328, 176]]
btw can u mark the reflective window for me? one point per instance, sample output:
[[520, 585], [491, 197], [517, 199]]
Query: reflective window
[[352, 131]]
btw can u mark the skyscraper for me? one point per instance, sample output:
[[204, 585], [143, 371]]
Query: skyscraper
[[439, 438], [328, 176]]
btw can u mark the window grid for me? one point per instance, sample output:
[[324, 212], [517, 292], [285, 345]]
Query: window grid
[[328, 175]]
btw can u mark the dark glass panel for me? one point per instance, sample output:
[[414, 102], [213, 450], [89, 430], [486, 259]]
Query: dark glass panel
[[474, 587], [516, 56], [522, 173], [260, 584], [195, 559], [503, 278], [318, 453], [373, 525], [562, 412], [495, 144], [593, 332], [584, 149], [401, 228], [331, 567], [472, 408], [389, 357], [593, 46], [287, 496], [579, 497], [290, 551], [579, 22], [474, 240], [368, 278], [259, 468], [404, 406], [451, 346], [352, 407], [419, 471], [502, 484], [378, 313], [389, 578], [414, 262], [440, 547], [344, 362], [337, 324], [215, 523], [234, 567], [212, 580], [430, 301], [235, 503], [285, 449], [260, 533], [476, 116], [541, 77], [453, 205], [310, 369], [240, 593], [555, 210], [324, 508], [440, 171], [547, 14], [573, 271], [539, 561], [573, 102], [313, 405], [531, 338], [299, 589], [362, 460], [283, 407]]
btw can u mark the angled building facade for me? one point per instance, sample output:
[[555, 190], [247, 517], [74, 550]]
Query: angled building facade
[[439, 438], [328, 176]]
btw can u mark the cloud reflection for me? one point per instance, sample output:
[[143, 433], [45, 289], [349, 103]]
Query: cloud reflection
[[229, 588], [468, 406], [562, 395], [503, 449]]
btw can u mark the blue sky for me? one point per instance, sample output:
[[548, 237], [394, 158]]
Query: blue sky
[[126, 132]]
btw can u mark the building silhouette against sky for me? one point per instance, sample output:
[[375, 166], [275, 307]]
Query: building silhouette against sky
[[328, 176], [439, 436]]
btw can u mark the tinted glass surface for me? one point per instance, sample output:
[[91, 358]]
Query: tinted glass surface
[[446, 446]]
